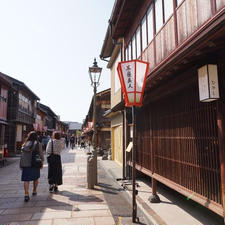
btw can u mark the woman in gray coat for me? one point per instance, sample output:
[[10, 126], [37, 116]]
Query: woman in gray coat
[[30, 173]]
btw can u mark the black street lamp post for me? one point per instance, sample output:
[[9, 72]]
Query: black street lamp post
[[95, 73]]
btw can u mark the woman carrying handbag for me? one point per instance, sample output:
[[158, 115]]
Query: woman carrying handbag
[[30, 173], [53, 151]]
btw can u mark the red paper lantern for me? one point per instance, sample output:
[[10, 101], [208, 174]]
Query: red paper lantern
[[132, 75]]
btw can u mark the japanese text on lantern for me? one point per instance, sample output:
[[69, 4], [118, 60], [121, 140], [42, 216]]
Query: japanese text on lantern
[[129, 77]]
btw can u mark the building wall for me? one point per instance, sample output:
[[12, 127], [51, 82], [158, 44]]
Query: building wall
[[117, 138], [156, 45], [3, 102], [3, 116], [178, 141], [115, 84]]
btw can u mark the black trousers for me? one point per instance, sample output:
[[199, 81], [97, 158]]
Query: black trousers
[[55, 171]]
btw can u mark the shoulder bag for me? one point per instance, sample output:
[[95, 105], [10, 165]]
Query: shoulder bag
[[51, 157], [36, 160]]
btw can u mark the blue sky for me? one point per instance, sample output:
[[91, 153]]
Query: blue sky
[[49, 45]]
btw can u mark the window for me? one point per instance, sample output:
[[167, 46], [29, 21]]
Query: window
[[138, 41], [24, 103], [144, 33], [117, 86], [133, 48], [150, 24], [168, 9], [129, 51], [179, 1], [158, 14]]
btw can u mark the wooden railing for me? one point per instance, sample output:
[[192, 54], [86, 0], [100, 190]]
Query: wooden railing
[[191, 15]]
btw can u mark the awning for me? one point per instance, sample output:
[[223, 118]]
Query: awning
[[3, 122]]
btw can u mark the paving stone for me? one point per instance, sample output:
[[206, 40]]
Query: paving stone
[[51, 215], [56, 208], [104, 220], [50, 203], [73, 221], [17, 217], [21, 210], [34, 222], [92, 206], [91, 213], [21, 204]]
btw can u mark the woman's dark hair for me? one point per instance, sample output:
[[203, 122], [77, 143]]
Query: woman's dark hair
[[32, 136], [56, 135]]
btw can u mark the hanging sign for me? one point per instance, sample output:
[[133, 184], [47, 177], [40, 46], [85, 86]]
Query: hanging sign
[[132, 75], [208, 83]]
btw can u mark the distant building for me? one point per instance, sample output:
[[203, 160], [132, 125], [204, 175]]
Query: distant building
[[103, 139], [22, 103], [74, 127], [50, 119], [5, 86]]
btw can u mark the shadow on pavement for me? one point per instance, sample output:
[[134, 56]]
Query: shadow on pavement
[[193, 208]]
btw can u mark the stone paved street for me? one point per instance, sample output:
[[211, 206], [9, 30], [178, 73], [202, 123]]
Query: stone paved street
[[74, 204]]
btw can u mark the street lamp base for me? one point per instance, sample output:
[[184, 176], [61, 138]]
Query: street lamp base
[[90, 172], [154, 199]]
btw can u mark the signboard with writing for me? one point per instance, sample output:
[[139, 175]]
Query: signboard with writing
[[132, 75], [208, 83]]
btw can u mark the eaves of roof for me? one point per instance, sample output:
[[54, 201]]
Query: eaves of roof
[[22, 85], [5, 80], [47, 109]]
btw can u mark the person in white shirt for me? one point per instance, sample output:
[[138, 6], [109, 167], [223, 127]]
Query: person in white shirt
[[53, 151]]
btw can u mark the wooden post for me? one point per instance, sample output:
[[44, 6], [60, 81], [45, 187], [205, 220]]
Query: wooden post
[[134, 204], [221, 136], [213, 6], [154, 198], [221, 127], [124, 144], [175, 22]]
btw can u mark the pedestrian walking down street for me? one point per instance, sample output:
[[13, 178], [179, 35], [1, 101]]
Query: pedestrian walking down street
[[67, 141], [72, 141], [30, 173], [54, 149], [45, 140]]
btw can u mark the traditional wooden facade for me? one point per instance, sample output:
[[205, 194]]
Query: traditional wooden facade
[[5, 86], [21, 114], [40, 119], [180, 139], [74, 128], [50, 119], [115, 114], [102, 123], [63, 127]]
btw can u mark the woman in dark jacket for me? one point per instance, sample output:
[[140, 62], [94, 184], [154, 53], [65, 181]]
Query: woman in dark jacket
[[55, 147], [28, 172]]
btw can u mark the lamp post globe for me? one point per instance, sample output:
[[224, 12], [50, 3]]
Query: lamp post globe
[[95, 74]]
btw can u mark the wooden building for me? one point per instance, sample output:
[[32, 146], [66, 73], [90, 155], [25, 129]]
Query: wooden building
[[63, 127], [115, 114], [5, 86], [50, 118], [21, 114], [74, 128], [40, 119], [102, 123], [180, 139]]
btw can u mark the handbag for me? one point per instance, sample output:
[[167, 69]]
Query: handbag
[[51, 157], [36, 160]]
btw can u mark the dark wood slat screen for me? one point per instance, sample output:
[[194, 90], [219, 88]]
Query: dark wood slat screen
[[184, 137]]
